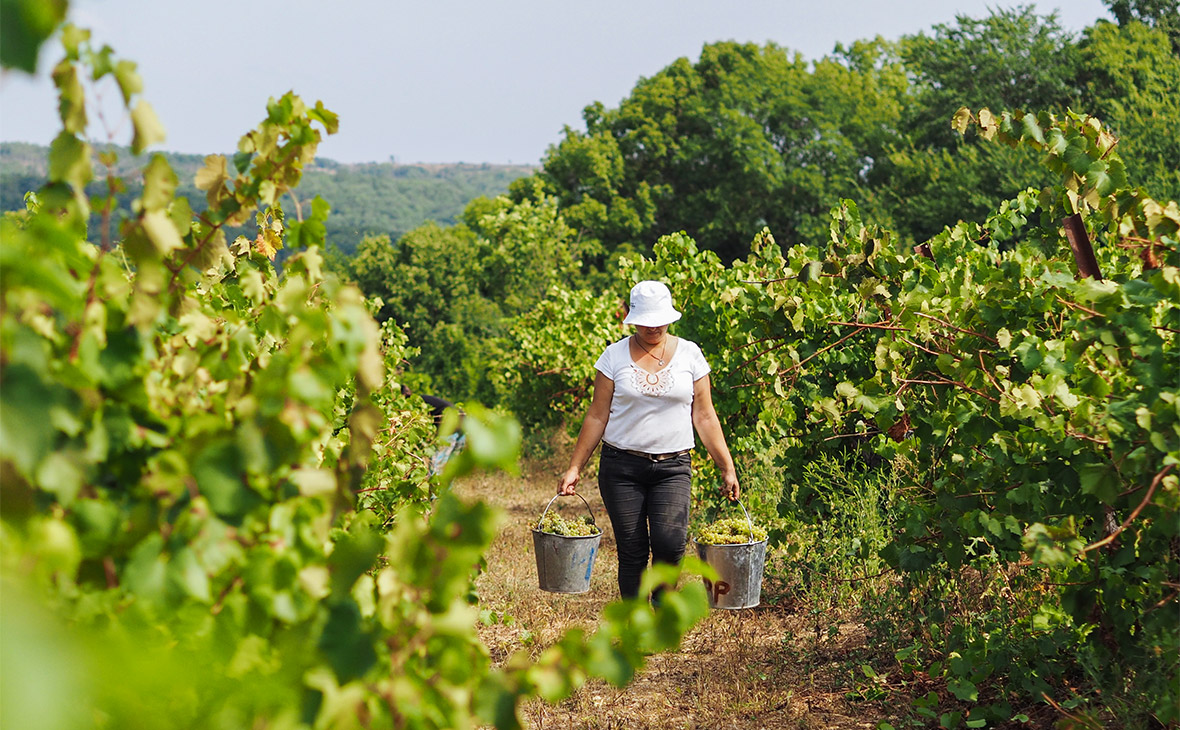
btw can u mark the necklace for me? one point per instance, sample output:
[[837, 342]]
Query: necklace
[[663, 348]]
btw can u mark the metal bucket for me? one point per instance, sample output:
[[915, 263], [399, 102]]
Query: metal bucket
[[739, 571], [564, 563]]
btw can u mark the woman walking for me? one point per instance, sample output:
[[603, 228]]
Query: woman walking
[[650, 392]]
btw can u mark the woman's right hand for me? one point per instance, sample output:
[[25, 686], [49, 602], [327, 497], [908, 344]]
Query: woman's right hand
[[568, 484]]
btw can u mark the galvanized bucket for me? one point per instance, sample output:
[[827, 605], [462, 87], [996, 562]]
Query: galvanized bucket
[[739, 571], [564, 563]]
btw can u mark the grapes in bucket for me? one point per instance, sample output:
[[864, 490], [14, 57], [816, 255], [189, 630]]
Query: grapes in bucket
[[736, 549], [565, 550]]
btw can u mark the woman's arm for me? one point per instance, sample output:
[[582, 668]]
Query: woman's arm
[[592, 429], [708, 426]]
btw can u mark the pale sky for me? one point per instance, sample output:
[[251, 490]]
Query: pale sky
[[439, 80]]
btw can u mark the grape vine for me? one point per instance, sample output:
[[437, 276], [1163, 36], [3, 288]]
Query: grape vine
[[1022, 368], [211, 479]]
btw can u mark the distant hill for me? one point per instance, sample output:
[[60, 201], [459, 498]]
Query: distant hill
[[370, 198]]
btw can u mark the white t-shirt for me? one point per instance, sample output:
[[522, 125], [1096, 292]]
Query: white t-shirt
[[652, 412]]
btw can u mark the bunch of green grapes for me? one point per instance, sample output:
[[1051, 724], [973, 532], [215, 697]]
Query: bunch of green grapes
[[730, 531], [555, 524]]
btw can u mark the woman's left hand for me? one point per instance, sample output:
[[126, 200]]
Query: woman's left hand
[[729, 486]]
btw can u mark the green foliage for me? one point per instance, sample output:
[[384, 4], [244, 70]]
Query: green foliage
[[456, 290], [1130, 80], [1035, 409], [24, 26], [183, 436], [1012, 59], [840, 512], [1161, 14], [550, 358], [748, 136], [754, 136]]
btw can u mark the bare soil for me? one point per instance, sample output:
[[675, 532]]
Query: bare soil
[[758, 668]]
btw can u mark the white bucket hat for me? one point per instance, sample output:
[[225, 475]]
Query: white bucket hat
[[651, 305]]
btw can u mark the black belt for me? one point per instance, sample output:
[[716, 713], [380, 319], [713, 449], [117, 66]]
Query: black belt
[[645, 455]]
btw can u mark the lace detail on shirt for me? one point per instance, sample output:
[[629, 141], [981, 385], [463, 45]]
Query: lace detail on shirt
[[655, 384]]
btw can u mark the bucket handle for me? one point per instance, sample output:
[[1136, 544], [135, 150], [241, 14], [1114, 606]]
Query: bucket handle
[[748, 520], [590, 510]]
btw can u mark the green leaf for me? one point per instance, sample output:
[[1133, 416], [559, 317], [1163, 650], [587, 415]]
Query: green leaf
[[961, 119], [72, 38], [312, 231], [71, 98], [608, 662], [24, 26], [1100, 480], [98, 523], [492, 441], [329, 119], [129, 80], [241, 161], [344, 642], [61, 474], [212, 178], [987, 124], [161, 232], [1004, 338], [146, 573], [148, 130], [963, 689], [54, 547], [1077, 157], [159, 184], [1056, 142], [354, 554], [1031, 130], [26, 432], [69, 161], [1098, 179], [220, 475], [496, 705], [187, 574]]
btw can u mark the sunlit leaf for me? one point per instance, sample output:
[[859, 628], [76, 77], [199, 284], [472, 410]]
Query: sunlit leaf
[[147, 128]]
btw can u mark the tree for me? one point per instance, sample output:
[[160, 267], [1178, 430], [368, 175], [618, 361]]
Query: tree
[[1012, 59], [1130, 81], [455, 289], [1161, 14], [747, 136]]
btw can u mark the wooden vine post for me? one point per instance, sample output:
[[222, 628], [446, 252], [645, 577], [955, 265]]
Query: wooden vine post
[[1083, 254], [1083, 251]]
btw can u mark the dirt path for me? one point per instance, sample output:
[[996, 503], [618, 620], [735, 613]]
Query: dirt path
[[737, 670]]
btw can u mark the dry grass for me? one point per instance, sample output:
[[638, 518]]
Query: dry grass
[[737, 670]]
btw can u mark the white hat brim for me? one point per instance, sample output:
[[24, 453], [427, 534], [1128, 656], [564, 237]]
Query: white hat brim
[[652, 319]]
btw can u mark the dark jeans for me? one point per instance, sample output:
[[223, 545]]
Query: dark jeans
[[648, 506]]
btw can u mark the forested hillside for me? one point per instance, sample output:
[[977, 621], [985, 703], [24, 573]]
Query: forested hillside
[[380, 198]]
